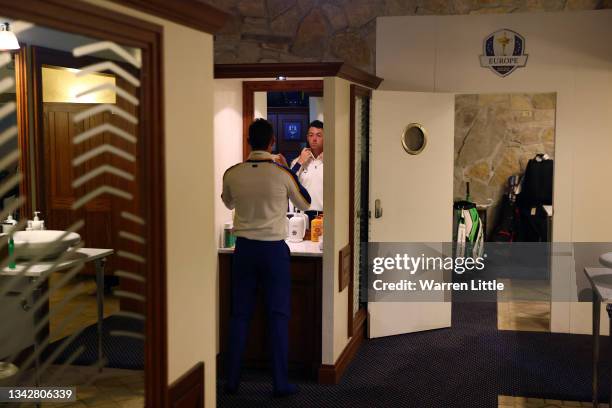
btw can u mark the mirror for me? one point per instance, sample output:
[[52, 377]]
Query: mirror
[[414, 138]]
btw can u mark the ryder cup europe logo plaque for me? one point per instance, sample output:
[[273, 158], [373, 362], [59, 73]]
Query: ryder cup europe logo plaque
[[504, 52]]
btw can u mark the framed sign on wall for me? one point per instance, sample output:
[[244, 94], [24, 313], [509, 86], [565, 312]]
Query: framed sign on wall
[[292, 130]]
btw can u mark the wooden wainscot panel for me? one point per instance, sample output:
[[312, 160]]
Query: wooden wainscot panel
[[344, 267], [188, 390]]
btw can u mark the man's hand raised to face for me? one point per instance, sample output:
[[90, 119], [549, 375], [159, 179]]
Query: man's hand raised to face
[[305, 156]]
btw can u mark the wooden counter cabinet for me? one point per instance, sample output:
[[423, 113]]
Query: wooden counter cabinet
[[304, 325]]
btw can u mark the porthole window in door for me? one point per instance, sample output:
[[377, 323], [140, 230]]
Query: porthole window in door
[[414, 138]]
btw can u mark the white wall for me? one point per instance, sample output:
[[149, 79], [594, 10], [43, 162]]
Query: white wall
[[260, 105], [227, 141], [336, 219], [191, 249], [316, 108], [569, 53]]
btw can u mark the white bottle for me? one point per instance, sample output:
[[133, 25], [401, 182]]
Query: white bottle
[[8, 224], [37, 224]]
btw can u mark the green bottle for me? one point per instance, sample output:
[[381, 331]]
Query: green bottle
[[11, 252]]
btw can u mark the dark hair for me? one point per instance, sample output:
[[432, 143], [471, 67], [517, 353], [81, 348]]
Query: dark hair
[[316, 124], [260, 134]]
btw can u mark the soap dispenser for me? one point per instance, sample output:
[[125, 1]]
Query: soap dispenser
[[8, 224], [36, 224]]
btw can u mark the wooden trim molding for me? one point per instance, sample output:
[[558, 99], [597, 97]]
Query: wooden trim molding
[[190, 13], [85, 19], [332, 373], [23, 126], [298, 69], [248, 100], [355, 92], [188, 390]]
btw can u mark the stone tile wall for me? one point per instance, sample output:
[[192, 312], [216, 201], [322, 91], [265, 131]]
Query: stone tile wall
[[345, 30], [495, 136]]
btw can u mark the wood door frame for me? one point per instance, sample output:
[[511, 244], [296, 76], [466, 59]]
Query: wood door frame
[[357, 320], [23, 125], [298, 70], [85, 19], [248, 100]]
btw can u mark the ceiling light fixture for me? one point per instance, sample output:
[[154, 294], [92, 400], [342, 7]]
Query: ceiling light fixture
[[281, 78], [8, 40]]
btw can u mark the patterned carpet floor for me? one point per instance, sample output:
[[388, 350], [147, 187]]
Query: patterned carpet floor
[[467, 365], [120, 348]]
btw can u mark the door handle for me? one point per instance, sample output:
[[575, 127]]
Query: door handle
[[377, 209]]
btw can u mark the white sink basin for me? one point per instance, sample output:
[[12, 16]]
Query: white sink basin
[[49, 243], [606, 260]]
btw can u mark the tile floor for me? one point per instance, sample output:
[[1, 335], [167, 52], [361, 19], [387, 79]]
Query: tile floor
[[110, 389], [504, 401], [113, 387], [524, 316], [531, 314], [85, 301]]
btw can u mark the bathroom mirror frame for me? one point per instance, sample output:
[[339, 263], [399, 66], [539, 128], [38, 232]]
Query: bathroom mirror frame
[[405, 134], [103, 24]]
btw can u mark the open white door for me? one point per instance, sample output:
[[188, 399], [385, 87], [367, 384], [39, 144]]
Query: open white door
[[415, 193]]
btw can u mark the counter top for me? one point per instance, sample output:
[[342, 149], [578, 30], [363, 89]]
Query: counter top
[[304, 248], [601, 281], [73, 258]]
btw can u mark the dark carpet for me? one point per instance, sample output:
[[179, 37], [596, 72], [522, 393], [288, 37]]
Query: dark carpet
[[120, 351], [468, 365]]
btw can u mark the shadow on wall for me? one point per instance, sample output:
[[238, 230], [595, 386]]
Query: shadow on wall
[[495, 137]]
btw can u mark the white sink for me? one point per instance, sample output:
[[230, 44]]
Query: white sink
[[606, 260], [49, 243]]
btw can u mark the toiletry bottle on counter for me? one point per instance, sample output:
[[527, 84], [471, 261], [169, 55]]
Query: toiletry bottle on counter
[[11, 252], [229, 239], [8, 224], [36, 224], [316, 229]]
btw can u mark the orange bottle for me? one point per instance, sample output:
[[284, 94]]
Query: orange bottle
[[316, 229]]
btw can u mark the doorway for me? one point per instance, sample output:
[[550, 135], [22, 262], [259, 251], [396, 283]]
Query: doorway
[[359, 203], [62, 116], [83, 355], [497, 138]]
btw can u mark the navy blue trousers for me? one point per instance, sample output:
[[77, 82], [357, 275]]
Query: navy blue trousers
[[262, 264]]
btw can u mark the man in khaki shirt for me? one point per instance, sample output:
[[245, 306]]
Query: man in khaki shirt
[[258, 190]]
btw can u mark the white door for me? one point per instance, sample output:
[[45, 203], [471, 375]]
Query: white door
[[415, 193]]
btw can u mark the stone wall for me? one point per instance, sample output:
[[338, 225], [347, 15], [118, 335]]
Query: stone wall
[[345, 30], [495, 136]]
